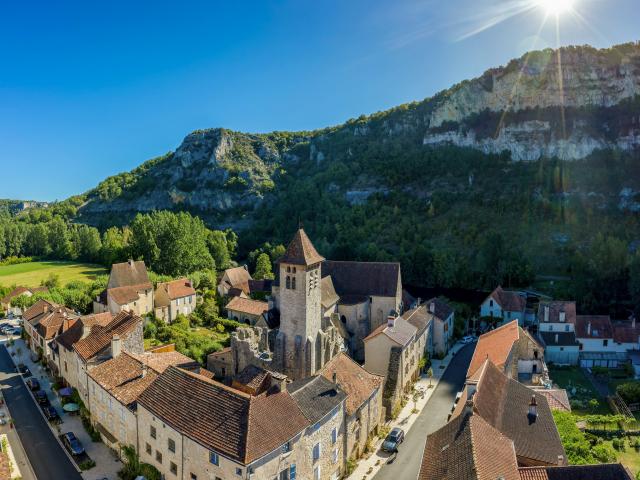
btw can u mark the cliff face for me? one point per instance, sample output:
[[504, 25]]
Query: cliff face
[[565, 104]]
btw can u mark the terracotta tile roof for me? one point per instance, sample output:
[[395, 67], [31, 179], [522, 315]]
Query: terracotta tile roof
[[329, 296], [233, 423], [504, 403], [600, 326], [495, 345], [555, 307], [129, 274], [238, 278], [55, 322], [254, 379], [73, 334], [468, 448], [19, 291], [178, 288], [301, 251], [125, 295], [100, 336], [401, 333], [160, 361], [247, 305], [607, 471], [439, 308], [557, 398], [419, 317], [353, 379], [626, 332], [38, 308], [509, 301], [316, 396], [381, 279]]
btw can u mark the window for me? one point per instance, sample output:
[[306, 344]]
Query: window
[[335, 455], [213, 458], [334, 436], [173, 468], [491, 303], [148, 449], [286, 447], [292, 472], [238, 471], [293, 283], [551, 328], [605, 343], [65, 365], [316, 452], [288, 282], [193, 477], [566, 328], [284, 474], [171, 445], [152, 431], [158, 457], [288, 269]]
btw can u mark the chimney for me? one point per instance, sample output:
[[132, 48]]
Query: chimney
[[130, 262], [563, 316], [144, 370], [533, 409], [546, 313], [116, 346], [86, 330], [589, 329], [432, 307], [391, 320], [468, 406]]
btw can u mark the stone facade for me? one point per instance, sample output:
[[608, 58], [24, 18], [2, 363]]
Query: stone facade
[[112, 416]]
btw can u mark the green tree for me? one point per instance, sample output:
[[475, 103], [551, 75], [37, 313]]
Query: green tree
[[88, 243], [263, 268], [37, 240], [114, 246], [59, 240]]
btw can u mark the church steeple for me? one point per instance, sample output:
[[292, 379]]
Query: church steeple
[[301, 251]]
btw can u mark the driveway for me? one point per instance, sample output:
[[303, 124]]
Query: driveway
[[48, 460], [406, 464]]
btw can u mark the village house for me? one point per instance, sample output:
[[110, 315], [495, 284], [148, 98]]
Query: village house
[[262, 437], [235, 282], [98, 346], [391, 351], [14, 310], [556, 330], [512, 349], [505, 306], [363, 407], [246, 310], [128, 289], [177, 297], [115, 385], [63, 344], [443, 320], [424, 322]]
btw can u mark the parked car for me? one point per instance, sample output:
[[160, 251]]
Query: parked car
[[41, 397], [72, 444], [14, 331], [395, 438], [24, 370], [33, 384], [51, 413], [469, 339]]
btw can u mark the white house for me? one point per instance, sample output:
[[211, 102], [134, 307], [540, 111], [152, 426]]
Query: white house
[[505, 305]]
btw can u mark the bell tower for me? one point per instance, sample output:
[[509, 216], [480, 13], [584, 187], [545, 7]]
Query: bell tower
[[300, 308]]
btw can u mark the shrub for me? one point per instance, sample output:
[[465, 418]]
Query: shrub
[[619, 444], [603, 453], [630, 392], [87, 464]]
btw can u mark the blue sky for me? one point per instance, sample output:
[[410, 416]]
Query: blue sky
[[90, 89]]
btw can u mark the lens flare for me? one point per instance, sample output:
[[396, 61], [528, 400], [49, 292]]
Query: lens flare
[[556, 7]]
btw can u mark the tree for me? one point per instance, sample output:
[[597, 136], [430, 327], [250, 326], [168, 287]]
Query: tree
[[37, 240], [263, 268], [114, 246], [593, 405], [88, 243], [219, 248], [430, 376], [58, 235]]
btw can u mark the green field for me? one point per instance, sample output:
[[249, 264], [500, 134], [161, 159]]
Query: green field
[[33, 273]]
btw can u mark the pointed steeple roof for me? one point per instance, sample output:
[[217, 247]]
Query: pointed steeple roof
[[301, 251]]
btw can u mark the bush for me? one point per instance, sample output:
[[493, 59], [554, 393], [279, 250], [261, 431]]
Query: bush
[[630, 392], [87, 464], [619, 444], [603, 453]]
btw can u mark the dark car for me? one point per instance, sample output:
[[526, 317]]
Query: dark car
[[51, 413], [33, 384], [41, 397], [395, 438], [72, 444], [24, 370]]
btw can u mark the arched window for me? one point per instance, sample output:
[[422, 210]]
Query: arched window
[[288, 269], [294, 269], [293, 283], [288, 281]]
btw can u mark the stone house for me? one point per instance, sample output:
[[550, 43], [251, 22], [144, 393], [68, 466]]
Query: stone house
[[234, 282], [391, 351], [556, 329], [246, 310], [443, 320], [514, 351], [43, 321], [363, 406], [424, 322], [63, 344], [5, 303], [128, 289], [96, 347], [504, 305], [174, 298], [261, 437], [115, 385], [221, 363]]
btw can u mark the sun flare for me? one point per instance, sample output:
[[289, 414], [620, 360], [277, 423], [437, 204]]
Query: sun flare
[[556, 7]]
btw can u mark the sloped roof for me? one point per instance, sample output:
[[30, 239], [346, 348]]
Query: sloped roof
[[468, 448], [38, 308], [557, 398], [19, 291], [238, 278], [381, 279], [100, 336], [73, 334], [354, 380], [316, 396], [600, 326], [329, 295], [509, 301], [504, 403], [247, 305], [564, 339], [129, 274], [626, 332], [419, 317], [301, 251], [495, 345], [55, 322], [555, 307], [606, 471], [254, 377], [440, 310], [179, 288], [401, 333], [125, 295], [233, 423]]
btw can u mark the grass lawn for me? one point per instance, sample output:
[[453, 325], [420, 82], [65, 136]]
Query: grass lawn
[[31, 274], [573, 379], [629, 458]]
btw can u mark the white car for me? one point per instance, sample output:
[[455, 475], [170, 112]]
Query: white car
[[469, 339]]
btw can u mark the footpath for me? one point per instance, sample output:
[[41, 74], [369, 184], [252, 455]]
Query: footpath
[[369, 466]]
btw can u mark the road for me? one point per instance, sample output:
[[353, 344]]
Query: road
[[406, 464], [48, 460]]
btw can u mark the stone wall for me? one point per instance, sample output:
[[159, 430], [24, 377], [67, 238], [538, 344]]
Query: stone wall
[[393, 383]]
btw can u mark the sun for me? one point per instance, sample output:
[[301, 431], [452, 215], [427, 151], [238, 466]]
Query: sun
[[556, 7]]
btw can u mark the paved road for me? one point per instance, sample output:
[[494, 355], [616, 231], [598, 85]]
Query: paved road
[[47, 458], [406, 464]]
